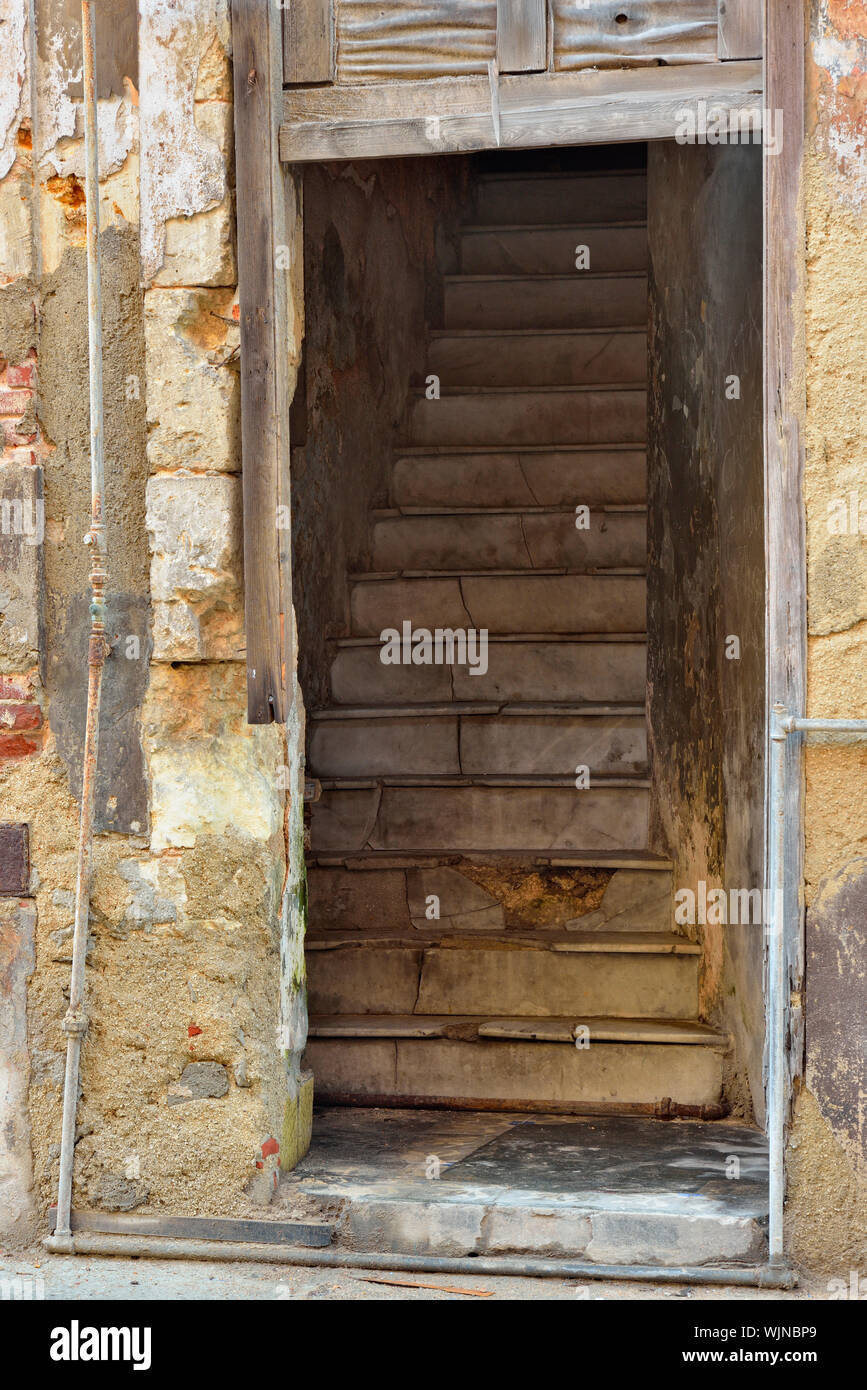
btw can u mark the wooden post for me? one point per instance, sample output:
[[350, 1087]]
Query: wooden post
[[522, 40], [785, 408], [739, 29], [262, 286]]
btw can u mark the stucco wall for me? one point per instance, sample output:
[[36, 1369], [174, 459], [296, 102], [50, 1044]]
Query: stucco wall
[[190, 911], [828, 1151]]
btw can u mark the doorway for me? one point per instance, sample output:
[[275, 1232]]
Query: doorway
[[527, 488]]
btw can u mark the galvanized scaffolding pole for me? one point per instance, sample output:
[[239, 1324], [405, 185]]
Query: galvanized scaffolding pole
[[75, 1021]]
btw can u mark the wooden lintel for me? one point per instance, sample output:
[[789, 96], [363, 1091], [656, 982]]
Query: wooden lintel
[[413, 118]]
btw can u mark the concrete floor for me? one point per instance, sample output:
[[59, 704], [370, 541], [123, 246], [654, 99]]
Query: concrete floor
[[611, 1190]]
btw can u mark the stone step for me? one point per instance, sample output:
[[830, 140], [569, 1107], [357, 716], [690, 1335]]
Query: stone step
[[522, 892], [521, 477], [393, 1061], [530, 199], [517, 740], [510, 540], [612, 813], [498, 975], [581, 670], [579, 300], [537, 357], [561, 415], [608, 1189], [551, 250], [537, 603]]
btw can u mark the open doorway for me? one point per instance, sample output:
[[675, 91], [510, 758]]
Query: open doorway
[[527, 475]]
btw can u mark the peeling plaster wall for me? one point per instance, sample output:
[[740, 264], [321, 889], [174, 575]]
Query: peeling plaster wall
[[827, 1164], [706, 560], [187, 930]]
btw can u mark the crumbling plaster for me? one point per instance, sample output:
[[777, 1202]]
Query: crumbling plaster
[[190, 889]]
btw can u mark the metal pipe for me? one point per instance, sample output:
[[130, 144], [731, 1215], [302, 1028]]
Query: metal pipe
[[825, 726], [75, 1022], [776, 1013], [513, 1267]]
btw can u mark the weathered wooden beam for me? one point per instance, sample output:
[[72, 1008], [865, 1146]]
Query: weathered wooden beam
[[739, 29], [785, 411], [258, 71], [308, 41], [411, 118], [522, 35]]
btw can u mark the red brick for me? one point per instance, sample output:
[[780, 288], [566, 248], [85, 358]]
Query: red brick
[[23, 375], [14, 403], [13, 717], [16, 746], [15, 687]]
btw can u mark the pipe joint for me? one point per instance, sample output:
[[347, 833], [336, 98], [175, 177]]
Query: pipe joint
[[74, 1024]]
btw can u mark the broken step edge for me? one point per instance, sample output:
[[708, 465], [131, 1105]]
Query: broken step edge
[[644, 943]]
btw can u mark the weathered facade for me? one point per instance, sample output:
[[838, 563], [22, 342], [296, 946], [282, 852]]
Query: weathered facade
[[194, 1089]]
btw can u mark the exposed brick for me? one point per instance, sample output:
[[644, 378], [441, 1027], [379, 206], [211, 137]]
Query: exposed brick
[[16, 687], [14, 403], [27, 716], [16, 746], [21, 376]]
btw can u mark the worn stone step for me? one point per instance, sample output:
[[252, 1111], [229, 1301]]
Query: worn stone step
[[376, 1064], [552, 250], [521, 477], [536, 357], [497, 976], [514, 540], [468, 817], [610, 1189], [512, 741], [537, 603], [561, 415], [557, 198], [397, 894], [580, 300], [590, 670]]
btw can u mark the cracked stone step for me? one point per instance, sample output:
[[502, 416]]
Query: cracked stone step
[[377, 1061], [500, 540], [551, 250], [470, 817], [581, 299], [502, 977], [535, 357], [531, 199], [552, 603], [603, 895], [580, 671], [506, 742], [522, 477]]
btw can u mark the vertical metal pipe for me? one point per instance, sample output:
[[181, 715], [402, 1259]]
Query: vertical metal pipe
[[75, 1021], [776, 1009]]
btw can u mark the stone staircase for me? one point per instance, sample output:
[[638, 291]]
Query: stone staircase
[[483, 932]]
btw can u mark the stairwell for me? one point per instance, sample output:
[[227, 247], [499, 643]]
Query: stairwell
[[486, 929]]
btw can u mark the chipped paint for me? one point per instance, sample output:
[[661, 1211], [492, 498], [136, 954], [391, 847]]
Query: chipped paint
[[13, 104], [183, 172]]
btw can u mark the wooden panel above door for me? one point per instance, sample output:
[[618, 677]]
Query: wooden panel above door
[[308, 42], [385, 40], [633, 33]]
